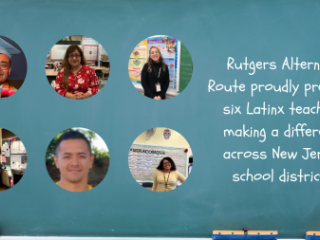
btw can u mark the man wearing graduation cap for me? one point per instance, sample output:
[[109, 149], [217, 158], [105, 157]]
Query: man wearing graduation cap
[[6, 52]]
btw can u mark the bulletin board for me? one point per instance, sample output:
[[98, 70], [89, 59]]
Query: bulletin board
[[144, 159], [137, 59], [16, 154], [186, 68], [90, 52]]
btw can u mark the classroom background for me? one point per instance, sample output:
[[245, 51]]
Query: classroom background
[[150, 147], [95, 55], [174, 54], [13, 159], [98, 148]]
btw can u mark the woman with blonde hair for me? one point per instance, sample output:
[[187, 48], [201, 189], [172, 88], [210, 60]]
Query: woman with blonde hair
[[155, 75], [75, 79]]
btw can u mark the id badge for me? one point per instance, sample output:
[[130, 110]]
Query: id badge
[[158, 87]]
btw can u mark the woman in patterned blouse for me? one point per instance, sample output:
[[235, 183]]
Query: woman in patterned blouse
[[75, 79]]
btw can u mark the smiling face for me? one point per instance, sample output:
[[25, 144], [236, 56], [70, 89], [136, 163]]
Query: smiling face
[[74, 59], [166, 164], [74, 161], [5, 68], [154, 54]]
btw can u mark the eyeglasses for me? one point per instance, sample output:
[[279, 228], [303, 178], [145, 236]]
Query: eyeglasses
[[166, 163], [4, 65], [74, 56]]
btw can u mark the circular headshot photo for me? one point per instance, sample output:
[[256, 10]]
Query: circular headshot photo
[[160, 67], [160, 159], [77, 67], [13, 67], [13, 159], [77, 159]]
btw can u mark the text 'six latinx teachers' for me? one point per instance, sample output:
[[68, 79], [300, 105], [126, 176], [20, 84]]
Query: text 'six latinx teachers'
[[286, 86]]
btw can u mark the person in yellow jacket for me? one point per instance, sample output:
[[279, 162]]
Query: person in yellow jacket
[[74, 159], [166, 176]]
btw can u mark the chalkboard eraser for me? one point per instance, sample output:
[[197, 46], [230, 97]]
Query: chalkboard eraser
[[238, 235], [312, 235]]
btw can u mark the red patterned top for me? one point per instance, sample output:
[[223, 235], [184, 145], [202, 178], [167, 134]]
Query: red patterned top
[[84, 81]]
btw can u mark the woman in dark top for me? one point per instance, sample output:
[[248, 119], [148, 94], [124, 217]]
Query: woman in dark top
[[155, 75]]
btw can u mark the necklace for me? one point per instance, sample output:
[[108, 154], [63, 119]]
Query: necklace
[[166, 182]]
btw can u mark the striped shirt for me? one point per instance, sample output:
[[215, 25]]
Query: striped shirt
[[164, 182]]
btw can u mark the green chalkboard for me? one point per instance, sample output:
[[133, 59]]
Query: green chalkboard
[[186, 68], [254, 33]]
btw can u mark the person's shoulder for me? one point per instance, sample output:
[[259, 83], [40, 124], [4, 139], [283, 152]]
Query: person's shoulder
[[180, 175], [61, 71], [145, 66], [86, 67]]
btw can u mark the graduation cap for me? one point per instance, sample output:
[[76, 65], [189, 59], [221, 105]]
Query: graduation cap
[[7, 49]]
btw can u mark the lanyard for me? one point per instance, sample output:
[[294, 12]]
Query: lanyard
[[166, 182], [158, 72]]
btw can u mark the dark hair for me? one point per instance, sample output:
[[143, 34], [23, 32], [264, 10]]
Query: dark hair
[[173, 165], [149, 61], [72, 135], [66, 65]]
